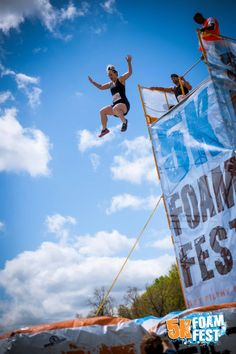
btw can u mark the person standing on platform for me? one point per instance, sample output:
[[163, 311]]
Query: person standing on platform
[[210, 30], [177, 90]]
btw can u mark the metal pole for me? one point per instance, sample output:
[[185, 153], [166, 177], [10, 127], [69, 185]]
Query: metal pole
[[181, 86], [164, 201], [202, 46]]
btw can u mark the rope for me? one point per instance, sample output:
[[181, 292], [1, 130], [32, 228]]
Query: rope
[[230, 38], [191, 68], [216, 35], [126, 260], [199, 60], [224, 37]]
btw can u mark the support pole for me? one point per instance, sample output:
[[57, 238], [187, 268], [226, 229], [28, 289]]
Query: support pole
[[181, 86], [202, 46], [154, 155], [158, 173]]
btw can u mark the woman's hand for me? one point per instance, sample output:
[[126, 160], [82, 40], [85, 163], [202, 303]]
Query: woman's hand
[[128, 58]]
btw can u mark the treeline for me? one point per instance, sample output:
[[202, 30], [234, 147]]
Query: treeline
[[163, 296]]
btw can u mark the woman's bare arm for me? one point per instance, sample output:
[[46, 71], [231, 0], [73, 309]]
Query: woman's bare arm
[[162, 89], [100, 86], [129, 72]]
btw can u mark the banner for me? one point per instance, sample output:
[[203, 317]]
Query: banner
[[97, 335], [157, 103], [195, 144]]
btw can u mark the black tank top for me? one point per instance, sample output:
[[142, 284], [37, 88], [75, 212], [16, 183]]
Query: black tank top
[[178, 91], [118, 94]]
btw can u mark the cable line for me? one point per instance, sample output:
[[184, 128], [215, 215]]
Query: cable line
[[127, 258], [191, 68]]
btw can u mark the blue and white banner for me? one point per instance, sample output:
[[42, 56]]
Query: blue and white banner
[[195, 147]]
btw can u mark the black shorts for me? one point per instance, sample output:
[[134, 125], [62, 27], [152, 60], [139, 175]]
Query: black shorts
[[127, 106]]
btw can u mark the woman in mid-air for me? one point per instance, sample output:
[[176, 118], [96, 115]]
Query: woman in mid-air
[[120, 106]]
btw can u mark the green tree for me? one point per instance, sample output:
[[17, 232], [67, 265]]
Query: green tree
[[161, 297]]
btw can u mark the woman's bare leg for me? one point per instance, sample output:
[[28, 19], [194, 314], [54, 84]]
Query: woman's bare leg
[[119, 110], [104, 112]]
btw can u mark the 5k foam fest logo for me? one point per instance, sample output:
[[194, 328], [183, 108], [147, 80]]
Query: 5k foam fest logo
[[197, 328]]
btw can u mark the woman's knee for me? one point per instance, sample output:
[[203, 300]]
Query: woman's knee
[[103, 110], [106, 110], [119, 109]]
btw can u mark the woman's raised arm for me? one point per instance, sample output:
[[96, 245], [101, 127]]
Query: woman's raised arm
[[130, 70], [100, 86]]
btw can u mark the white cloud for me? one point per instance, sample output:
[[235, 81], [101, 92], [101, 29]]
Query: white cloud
[[164, 243], [101, 244], [99, 29], [64, 37], [136, 163], [25, 83], [2, 226], [22, 149], [40, 50], [109, 6], [5, 96], [34, 96], [88, 140], [104, 243], [95, 160], [56, 225], [55, 281], [79, 94], [24, 80], [126, 200], [83, 10], [71, 12], [13, 13]]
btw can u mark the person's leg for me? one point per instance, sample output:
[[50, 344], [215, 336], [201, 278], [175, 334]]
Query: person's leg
[[180, 98], [104, 112], [119, 110]]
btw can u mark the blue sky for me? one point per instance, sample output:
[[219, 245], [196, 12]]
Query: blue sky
[[72, 204]]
